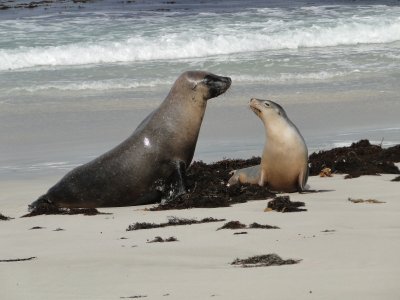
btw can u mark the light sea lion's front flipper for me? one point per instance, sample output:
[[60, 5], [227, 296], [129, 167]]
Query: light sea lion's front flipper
[[248, 175]]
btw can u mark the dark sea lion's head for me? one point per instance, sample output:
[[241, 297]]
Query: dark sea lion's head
[[202, 84]]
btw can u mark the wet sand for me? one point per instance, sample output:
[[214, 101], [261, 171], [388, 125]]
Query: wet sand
[[54, 136]]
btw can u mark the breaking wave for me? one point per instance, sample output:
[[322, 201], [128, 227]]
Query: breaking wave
[[226, 38]]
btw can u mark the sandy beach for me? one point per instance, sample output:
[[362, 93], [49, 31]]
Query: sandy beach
[[347, 250], [77, 77]]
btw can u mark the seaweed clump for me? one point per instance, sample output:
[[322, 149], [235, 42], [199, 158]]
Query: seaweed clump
[[361, 158], [264, 261], [172, 221], [233, 225], [4, 218], [283, 204], [159, 239], [238, 225], [396, 179], [260, 226], [207, 186], [49, 209], [18, 259]]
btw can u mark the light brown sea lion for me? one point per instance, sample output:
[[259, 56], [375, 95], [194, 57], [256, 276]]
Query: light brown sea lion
[[152, 162], [284, 161]]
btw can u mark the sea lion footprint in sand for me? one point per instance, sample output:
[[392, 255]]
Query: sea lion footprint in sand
[[152, 162], [284, 161]]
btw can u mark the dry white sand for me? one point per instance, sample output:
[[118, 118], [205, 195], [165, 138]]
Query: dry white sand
[[359, 259]]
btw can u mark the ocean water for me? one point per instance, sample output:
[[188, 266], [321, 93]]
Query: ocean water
[[75, 80]]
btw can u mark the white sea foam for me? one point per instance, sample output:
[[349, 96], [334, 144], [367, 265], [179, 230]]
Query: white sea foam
[[125, 84], [190, 41], [101, 85], [39, 166], [284, 77]]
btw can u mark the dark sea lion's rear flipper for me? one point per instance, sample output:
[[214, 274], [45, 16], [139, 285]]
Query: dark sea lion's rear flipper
[[42, 206], [176, 184], [42, 202]]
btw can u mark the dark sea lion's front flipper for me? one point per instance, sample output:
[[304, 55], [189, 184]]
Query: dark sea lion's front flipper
[[178, 180], [149, 198]]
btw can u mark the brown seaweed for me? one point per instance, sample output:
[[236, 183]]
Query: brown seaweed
[[283, 204], [49, 209], [172, 221], [17, 259], [361, 158], [264, 261], [207, 186], [159, 239], [5, 218], [238, 225]]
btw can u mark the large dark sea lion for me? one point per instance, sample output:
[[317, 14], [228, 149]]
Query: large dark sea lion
[[151, 163], [284, 161]]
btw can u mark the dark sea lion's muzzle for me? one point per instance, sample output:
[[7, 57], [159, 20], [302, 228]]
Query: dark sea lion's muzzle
[[217, 84]]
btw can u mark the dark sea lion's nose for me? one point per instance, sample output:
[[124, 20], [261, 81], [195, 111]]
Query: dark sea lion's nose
[[217, 84]]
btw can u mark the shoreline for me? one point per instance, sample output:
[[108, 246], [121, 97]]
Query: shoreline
[[207, 187], [54, 142]]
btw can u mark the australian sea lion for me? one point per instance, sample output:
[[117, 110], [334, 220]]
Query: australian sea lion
[[152, 161], [284, 161]]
